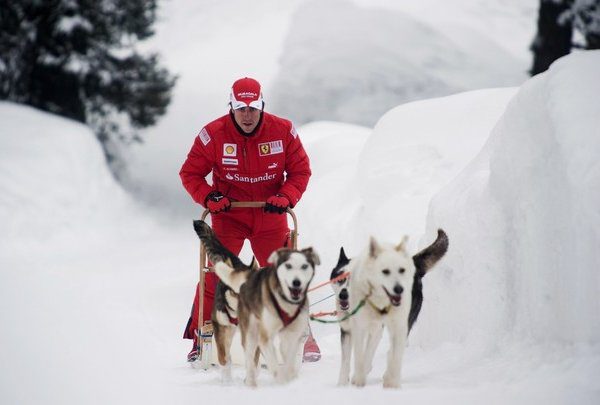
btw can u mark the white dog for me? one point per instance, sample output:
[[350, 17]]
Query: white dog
[[382, 282]]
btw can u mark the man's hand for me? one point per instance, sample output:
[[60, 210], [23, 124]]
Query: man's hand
[[217, 202], [277, 204]]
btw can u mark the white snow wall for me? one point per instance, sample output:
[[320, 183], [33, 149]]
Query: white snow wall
[[524, 222]]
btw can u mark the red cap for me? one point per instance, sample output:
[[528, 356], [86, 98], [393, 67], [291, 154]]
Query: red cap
[[246, 93]]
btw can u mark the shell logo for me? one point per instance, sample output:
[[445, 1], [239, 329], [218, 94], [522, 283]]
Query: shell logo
[[229, 149]]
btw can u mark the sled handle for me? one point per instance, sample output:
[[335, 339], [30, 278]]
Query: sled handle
[[235, 204], [261, 204]]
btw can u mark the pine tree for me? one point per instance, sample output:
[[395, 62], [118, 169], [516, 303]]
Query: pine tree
[[557, 21], [554, 37], [78, 59], [585, 16]]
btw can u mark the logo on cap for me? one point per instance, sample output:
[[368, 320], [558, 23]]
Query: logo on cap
[[246, 93]]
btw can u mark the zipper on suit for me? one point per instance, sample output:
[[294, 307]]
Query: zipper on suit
[[246, 165], [244, 154]]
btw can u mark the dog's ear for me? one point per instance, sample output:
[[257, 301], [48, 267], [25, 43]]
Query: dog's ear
[[374, 247], [343, 259], [428, 257], [254, 264], [311, 255], [273, 257], [402, 245]]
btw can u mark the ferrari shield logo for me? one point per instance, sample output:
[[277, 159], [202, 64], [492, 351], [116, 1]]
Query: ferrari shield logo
[[265, 149]]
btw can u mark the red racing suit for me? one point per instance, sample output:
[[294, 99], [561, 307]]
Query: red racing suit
[[245, 168]]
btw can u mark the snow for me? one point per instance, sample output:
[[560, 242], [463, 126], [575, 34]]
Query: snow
[[95, 287], [394, 58]]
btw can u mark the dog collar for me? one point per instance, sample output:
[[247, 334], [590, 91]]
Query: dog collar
[[382, 311], [284, 316]]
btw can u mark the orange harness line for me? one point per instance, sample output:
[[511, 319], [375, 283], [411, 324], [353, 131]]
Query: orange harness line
[[322, 314], [333, 280]]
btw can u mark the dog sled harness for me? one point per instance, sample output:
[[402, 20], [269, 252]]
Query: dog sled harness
[[284, 316], [315, 317], [232, 320], [382, 311]]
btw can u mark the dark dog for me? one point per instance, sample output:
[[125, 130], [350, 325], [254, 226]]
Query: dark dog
[[341, 288], [424, 261], [224, 314]]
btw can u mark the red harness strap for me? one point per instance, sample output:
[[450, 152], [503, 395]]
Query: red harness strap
[[231, 319], [284, 316]]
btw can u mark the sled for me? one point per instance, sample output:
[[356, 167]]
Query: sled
[[207, 352]]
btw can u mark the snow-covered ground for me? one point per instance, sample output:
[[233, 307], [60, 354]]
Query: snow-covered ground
[[95, 288]]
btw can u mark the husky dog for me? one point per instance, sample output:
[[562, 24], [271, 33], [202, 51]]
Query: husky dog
[[341, 290], [273, 302], [224, 313], [383, 281], [342, 305]]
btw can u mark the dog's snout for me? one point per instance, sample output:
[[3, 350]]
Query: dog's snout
[[398, 289], [344, 294], [296, 283]]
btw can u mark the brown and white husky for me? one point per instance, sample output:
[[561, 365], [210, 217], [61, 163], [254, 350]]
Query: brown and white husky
[[273, 303]]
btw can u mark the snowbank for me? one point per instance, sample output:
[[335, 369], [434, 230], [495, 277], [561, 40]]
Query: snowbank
[[53, 173], [416, 149], [524, 222], [85, 273]]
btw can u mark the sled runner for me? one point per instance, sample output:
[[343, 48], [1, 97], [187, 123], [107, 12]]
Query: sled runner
[[207, 352]]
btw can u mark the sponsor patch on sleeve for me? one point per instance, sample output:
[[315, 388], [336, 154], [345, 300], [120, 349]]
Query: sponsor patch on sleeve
[[204, 136], [293, 131]]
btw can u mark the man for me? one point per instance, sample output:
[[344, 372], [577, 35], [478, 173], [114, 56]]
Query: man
[[253, 156]]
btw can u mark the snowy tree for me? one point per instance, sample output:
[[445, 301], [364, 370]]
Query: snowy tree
[[557, 19], [585, 17], [554, 35], [78, 59]]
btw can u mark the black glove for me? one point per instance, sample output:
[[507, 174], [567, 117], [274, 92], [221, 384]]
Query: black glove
[[217, 202]]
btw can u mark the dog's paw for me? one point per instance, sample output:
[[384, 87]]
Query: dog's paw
[[390, 382], [342, 382], [250, 382], [359, 380], [392, 385], [282, 379], [226, 378]]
